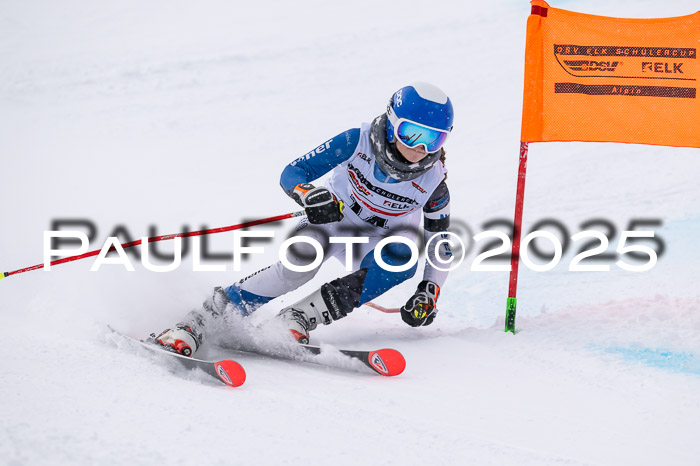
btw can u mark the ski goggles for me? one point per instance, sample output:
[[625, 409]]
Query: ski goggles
[[413, 134]]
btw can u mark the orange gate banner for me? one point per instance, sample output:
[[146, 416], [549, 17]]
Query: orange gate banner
[[594, 78]]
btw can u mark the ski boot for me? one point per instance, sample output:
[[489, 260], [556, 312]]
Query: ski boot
[[182, 339], [324, 306], [298, 323], [187, 336]]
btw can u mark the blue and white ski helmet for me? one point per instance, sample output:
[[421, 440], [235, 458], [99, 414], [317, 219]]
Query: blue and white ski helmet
[[421, 103], [420, 115]]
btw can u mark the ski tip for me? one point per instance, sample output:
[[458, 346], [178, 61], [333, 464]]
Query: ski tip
[[387, 362], [230, 372]]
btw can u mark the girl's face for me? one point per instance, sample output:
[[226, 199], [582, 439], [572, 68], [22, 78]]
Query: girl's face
[[412, 154]]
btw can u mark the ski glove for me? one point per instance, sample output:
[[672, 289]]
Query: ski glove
[[420, 308], [320, 204]]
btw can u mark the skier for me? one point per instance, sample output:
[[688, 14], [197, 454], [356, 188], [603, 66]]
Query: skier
[[383, 175]]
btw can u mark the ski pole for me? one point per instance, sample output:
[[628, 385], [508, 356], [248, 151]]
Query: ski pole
[[160, 238], [382, 308]]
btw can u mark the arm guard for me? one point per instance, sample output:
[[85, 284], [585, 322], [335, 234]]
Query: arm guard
[[316, 163], [436, 218]]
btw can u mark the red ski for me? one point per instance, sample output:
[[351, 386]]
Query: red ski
[[229, 372], [387, 361]]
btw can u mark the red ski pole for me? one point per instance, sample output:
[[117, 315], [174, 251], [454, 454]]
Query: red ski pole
[[161, 238], [388, 310]]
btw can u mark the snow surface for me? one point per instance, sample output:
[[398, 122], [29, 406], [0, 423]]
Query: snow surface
[[179, 114]]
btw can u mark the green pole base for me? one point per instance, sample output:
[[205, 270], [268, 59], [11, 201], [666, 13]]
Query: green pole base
[[510, 315]]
